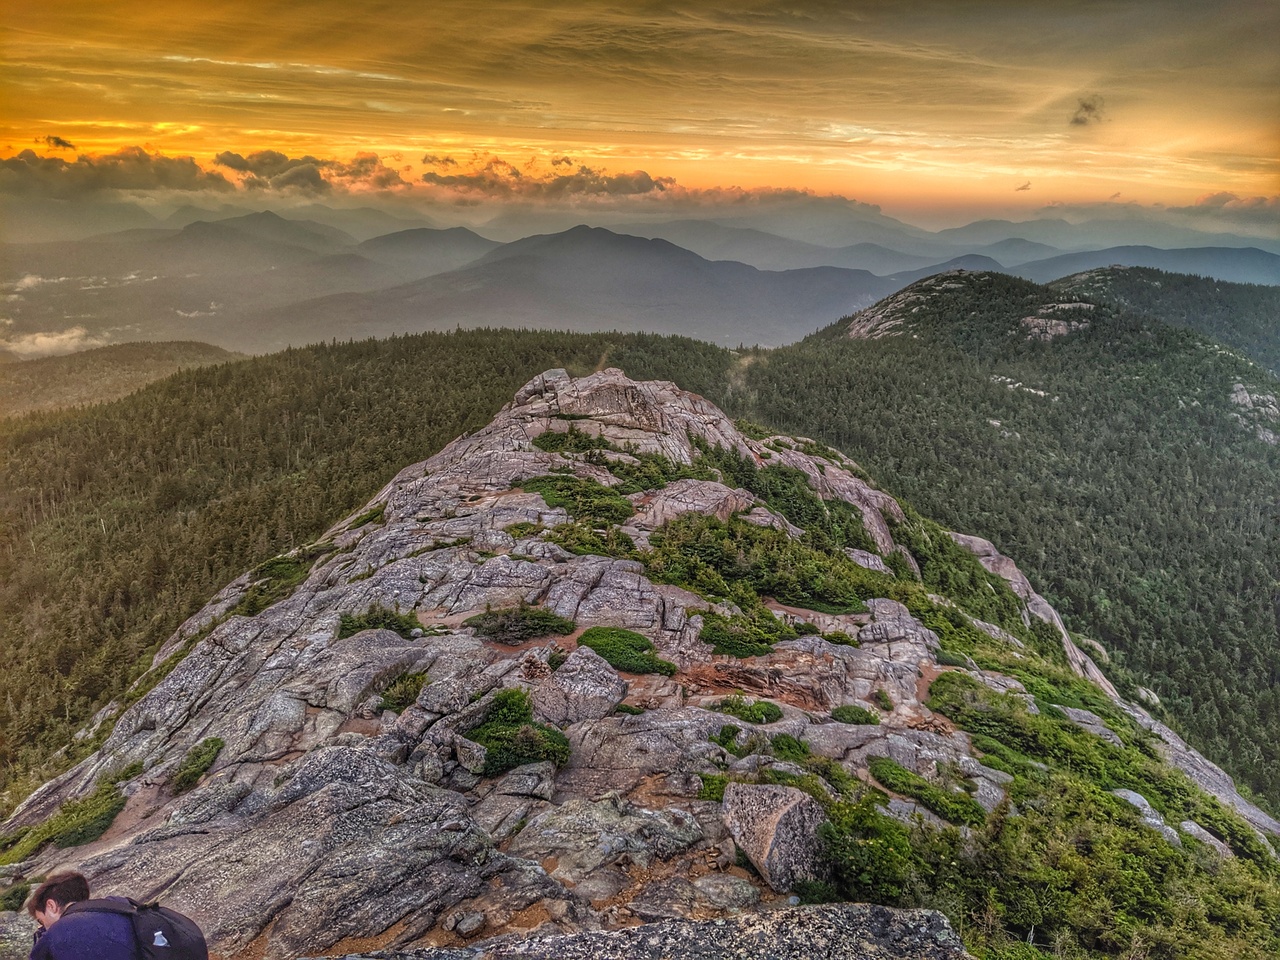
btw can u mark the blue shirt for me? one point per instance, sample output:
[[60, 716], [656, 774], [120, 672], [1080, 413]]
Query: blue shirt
[[91, 935]]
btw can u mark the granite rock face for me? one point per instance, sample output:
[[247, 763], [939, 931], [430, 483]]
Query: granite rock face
[[839, 932], [777, 828], [329, 825]]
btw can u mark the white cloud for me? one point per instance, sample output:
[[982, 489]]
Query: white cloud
[[51, 343]]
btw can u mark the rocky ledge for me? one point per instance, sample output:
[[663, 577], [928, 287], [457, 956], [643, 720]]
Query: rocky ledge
[[336, 699], [849, 931]]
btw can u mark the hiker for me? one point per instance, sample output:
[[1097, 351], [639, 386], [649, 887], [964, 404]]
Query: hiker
[[74, 927]]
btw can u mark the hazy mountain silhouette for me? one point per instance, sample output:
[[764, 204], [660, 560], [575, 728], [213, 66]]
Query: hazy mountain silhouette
[[1247, 265], [586, 278]]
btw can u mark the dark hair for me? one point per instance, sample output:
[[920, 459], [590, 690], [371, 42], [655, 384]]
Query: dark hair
[[62, 889]]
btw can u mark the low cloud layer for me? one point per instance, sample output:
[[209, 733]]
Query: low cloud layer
[[131, 169], [53, 343]]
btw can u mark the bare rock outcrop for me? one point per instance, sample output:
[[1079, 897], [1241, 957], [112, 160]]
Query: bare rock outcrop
[[777, 828], [837, 932], [328, 823]]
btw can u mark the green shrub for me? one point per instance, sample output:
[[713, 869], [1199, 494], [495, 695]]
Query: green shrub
[[556, 659], [76, 822], [742, 562], [14, 898], [853, 714], [761, 711], [581, 539], [840, 638], [377, 618], [276, 578], [829, 523], [198, 760], [628, 709], [869, 854], [883, 700], [522, 529], [571, 441], [653, 471], [727, 740], [750, 634], [372, 515], [512, 625], [625, 650], [402, 692], [593, 503], [786, 747], [947, 659], [713, 785], [953, 807], [512, 739]]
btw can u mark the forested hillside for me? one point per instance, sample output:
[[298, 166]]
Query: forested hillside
[[95, 376], [1109, 462], [1244, 316], [118, 522]]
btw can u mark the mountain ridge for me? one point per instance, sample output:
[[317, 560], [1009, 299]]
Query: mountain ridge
[[578, 501]]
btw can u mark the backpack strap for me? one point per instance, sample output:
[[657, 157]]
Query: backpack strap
[[118, 905]]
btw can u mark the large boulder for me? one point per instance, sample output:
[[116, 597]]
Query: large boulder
[[777, 828], [585, 687]]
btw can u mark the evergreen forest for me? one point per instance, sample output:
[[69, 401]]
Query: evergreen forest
[[1107, 463]]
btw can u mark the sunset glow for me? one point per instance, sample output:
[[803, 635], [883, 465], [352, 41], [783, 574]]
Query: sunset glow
[[968, 107]]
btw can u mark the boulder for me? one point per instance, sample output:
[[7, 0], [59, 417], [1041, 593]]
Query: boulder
[[585, 687], [776, 827]]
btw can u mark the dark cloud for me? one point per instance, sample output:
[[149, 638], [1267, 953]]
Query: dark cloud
[[1231, 209], [438, 161], [1088, 110], [57, 143], [498, 179], [1114, 197], [273, 170], [130, 169], [1025, 186]]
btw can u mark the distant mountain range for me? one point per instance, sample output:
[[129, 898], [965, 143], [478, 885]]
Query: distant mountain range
[[261, 280]]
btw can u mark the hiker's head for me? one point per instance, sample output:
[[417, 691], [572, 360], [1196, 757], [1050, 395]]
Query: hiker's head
[[54, 896]]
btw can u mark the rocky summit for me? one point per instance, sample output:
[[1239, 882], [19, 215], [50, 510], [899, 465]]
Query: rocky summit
[[524, 693]]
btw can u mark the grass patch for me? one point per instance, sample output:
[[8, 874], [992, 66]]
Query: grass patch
[[572, 440], [959, 808], [853, 714], [586, 500], [626, 650], [883, 700], [372, 515], [14, 898], [582, 539], [522, 529], [713, 785], [628, 709], [760, 711], [76, 822], [751, 634], [276, 578], [194, 765], [514, 625], [378, 618], [511, 737], [402, 692], [786, 747]]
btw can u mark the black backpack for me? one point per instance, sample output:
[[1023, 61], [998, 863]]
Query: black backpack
[[162, 934]]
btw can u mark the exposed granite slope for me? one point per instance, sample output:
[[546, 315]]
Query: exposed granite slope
[[849, 931], [330, 824]]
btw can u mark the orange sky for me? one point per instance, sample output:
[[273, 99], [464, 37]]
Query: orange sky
[[914, 106]]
